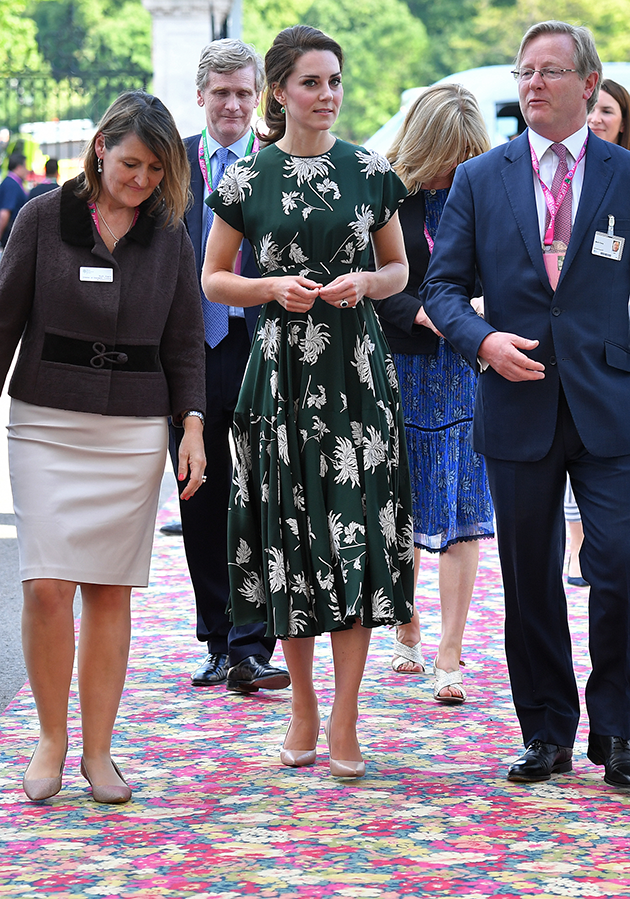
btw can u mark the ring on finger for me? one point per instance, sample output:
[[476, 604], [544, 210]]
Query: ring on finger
[[344, 304]]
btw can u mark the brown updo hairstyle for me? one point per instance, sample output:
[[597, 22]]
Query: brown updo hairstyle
[[139, 113], [280, 61], [621, 95]]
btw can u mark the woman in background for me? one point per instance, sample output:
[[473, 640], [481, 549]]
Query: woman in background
[[452, 508], [98, 281], [609, 117]]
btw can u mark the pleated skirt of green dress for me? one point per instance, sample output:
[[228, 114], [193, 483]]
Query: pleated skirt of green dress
[[320, 529]]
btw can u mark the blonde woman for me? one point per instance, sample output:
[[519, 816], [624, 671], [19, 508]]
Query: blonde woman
[[451, 501]]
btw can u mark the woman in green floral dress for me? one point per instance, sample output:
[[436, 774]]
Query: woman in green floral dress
[[319, 529]]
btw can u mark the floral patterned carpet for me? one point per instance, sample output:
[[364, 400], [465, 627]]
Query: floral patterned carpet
[[215, 816]]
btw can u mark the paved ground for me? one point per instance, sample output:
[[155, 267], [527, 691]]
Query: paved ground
[[12, 673]]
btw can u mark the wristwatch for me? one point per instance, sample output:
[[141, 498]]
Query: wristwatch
[[196, 414]]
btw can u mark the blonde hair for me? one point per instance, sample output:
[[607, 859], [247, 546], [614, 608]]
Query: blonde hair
[[139, 113], [443, 128]]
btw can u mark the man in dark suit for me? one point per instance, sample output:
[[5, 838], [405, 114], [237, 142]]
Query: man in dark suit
[[50, 181], [229, 80], [554, 393], [12, 194]]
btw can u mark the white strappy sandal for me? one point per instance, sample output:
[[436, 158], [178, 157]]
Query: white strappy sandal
[[448, 679], [403, 654]]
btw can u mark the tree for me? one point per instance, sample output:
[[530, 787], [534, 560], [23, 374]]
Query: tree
[[495, 32], [18, 44], [447, 23], [113, 35]]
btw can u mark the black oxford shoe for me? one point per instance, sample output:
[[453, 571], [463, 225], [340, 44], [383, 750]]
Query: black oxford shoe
[[539, 761], [172, 527], [212, 671], [255, 673], [614, 754]]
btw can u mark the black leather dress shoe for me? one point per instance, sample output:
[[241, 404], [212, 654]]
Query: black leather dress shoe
[[172, 527], [212, 671], [255, 673], [614, 754], [539, 761]]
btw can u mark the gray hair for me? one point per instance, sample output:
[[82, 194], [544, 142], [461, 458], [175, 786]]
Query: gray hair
[[229, 55], [585, 57]]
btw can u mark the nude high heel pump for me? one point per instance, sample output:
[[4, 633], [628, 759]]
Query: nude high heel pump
[[297, 758], [342, 767]]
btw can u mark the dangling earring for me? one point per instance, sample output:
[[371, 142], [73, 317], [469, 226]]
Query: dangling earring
[[99, 165], [282, 110]]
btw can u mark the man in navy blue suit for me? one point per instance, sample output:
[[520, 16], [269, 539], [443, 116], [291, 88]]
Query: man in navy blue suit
[[229, 81], [539, 219], [12, 195]]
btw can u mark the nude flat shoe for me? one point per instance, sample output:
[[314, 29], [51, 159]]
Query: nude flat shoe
[[40, 788], [297, 758], [343, 767], [110, 793]]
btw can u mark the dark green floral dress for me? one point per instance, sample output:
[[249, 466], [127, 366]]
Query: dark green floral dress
[[319, 530]]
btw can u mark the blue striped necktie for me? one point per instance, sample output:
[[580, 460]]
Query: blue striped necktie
[[215, 315]]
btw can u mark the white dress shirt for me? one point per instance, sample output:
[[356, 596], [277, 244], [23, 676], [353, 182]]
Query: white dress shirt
[[548, 162], [239, 148]]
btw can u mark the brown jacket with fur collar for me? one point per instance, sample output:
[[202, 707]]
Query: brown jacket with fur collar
[[114, 334]]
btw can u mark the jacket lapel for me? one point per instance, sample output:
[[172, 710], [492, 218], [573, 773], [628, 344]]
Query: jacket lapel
[[518, 181], [598, 173], [194, 216]]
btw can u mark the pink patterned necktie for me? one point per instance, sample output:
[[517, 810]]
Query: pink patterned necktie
[[562, 230]]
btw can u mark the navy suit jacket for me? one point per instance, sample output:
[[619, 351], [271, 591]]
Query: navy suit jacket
[[194, 223], [490, 225]]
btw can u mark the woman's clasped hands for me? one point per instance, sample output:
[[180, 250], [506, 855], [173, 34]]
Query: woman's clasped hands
[[297, 294]]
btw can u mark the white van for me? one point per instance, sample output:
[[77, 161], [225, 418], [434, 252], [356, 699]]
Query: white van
[[497, 95]]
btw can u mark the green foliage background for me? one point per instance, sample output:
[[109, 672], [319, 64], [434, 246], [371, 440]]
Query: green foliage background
[[390, 45]]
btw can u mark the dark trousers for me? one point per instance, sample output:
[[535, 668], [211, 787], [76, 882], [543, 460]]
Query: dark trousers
[[204, 516], [528, 500]]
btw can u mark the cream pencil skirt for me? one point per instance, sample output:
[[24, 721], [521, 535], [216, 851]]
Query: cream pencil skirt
[[85, 493]]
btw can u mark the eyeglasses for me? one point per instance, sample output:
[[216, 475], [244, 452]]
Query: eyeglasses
[[548, 73]]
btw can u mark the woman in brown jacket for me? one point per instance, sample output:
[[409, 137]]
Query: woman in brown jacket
[[98, 281]]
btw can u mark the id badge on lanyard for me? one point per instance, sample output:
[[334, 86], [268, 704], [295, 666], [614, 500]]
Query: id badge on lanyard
[[554, 251]]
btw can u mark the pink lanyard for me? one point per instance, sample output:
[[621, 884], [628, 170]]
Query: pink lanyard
[[92, 208], [554, 203], [204, 156], [428, 238]]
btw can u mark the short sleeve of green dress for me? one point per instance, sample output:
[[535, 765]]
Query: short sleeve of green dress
[[320, 531]]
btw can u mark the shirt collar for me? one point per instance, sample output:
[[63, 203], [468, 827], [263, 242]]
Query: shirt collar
[[573, 143], [239, 147]]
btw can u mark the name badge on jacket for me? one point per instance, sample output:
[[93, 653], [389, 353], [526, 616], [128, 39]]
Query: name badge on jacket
[[96, 273], [608, 245]]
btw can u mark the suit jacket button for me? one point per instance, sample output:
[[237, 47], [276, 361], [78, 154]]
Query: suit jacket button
[[552, 360], [556, 310]]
